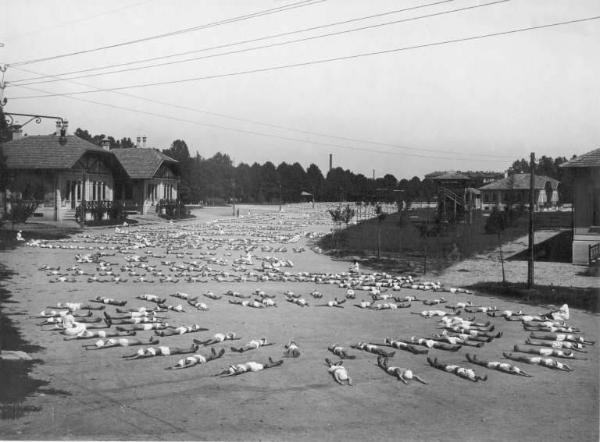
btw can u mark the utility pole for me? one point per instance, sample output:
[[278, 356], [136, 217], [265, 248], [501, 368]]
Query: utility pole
[[3, 99], [531, 226]]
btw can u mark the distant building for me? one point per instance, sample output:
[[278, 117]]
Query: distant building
[[514, 191], [151, 176], [458, 193], [586, 207]]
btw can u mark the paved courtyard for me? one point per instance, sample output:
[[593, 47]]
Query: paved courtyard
[[106, 396]]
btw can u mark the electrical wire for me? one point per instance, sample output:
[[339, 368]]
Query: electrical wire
[[274, 126], [267, 135], [79, 20], [318, 62], [261, 13], [239, 51], [226, 45]]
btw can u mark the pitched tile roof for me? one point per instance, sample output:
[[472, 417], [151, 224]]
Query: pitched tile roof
[[45, 152], [520, 181], [590, 159], [451, 176], [142, 163]]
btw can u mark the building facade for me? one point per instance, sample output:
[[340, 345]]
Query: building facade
[[151, 177], [586, 207], [64, 172], [513, 191], [58, 172]]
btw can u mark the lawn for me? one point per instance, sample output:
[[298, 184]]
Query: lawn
[[403, 243]]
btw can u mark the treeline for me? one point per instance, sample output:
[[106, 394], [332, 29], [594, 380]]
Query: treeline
[[217, 179]]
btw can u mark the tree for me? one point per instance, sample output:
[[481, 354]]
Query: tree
[[340, 216], [519, 166], [5, 135], [178, 151], [314, 181]]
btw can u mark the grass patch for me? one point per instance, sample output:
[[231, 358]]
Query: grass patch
[[584, 298], [403, 241], [8, 237]]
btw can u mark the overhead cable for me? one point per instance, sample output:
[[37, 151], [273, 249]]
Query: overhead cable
[[321, 61], [226, 45], [268, 135], [264, 12], [275, 126]]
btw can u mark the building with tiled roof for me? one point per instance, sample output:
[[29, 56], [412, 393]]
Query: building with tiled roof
[[513, 190], [457, 191], [590, 159], [585, 170], [60, 172], [65, 172], [153, 176]]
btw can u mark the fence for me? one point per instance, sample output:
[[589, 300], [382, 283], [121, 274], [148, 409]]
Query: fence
[[594, 253], [553, 220], [98, 211]]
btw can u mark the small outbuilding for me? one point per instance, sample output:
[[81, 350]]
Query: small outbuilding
[[586, 207], [151, 177], [514, 190]]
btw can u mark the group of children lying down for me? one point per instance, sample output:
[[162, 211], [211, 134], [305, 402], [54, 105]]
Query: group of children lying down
[[550, 337]]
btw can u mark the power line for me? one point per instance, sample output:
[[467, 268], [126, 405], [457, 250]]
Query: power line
[[239, 51], [79, 20], [321, 61], [222, 46], [263, 134], [264, 12], [275, 126]]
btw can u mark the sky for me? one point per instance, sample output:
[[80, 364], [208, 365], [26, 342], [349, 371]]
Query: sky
[[420, 102]]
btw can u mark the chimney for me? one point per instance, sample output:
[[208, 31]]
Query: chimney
[[105, 144], [144, 141], [330, 161], [58, 128], [65, 127], [17, 132], [138, 141]]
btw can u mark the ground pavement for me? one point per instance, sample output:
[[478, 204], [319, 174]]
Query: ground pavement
[[113, 398]]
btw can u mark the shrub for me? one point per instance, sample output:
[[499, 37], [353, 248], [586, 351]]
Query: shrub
[[117, 211], [21, 210], [172, 209], [496, 222]]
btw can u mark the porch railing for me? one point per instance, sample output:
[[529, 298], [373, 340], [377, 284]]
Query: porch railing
[[171, 209], [594, 253], [96, 211]]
